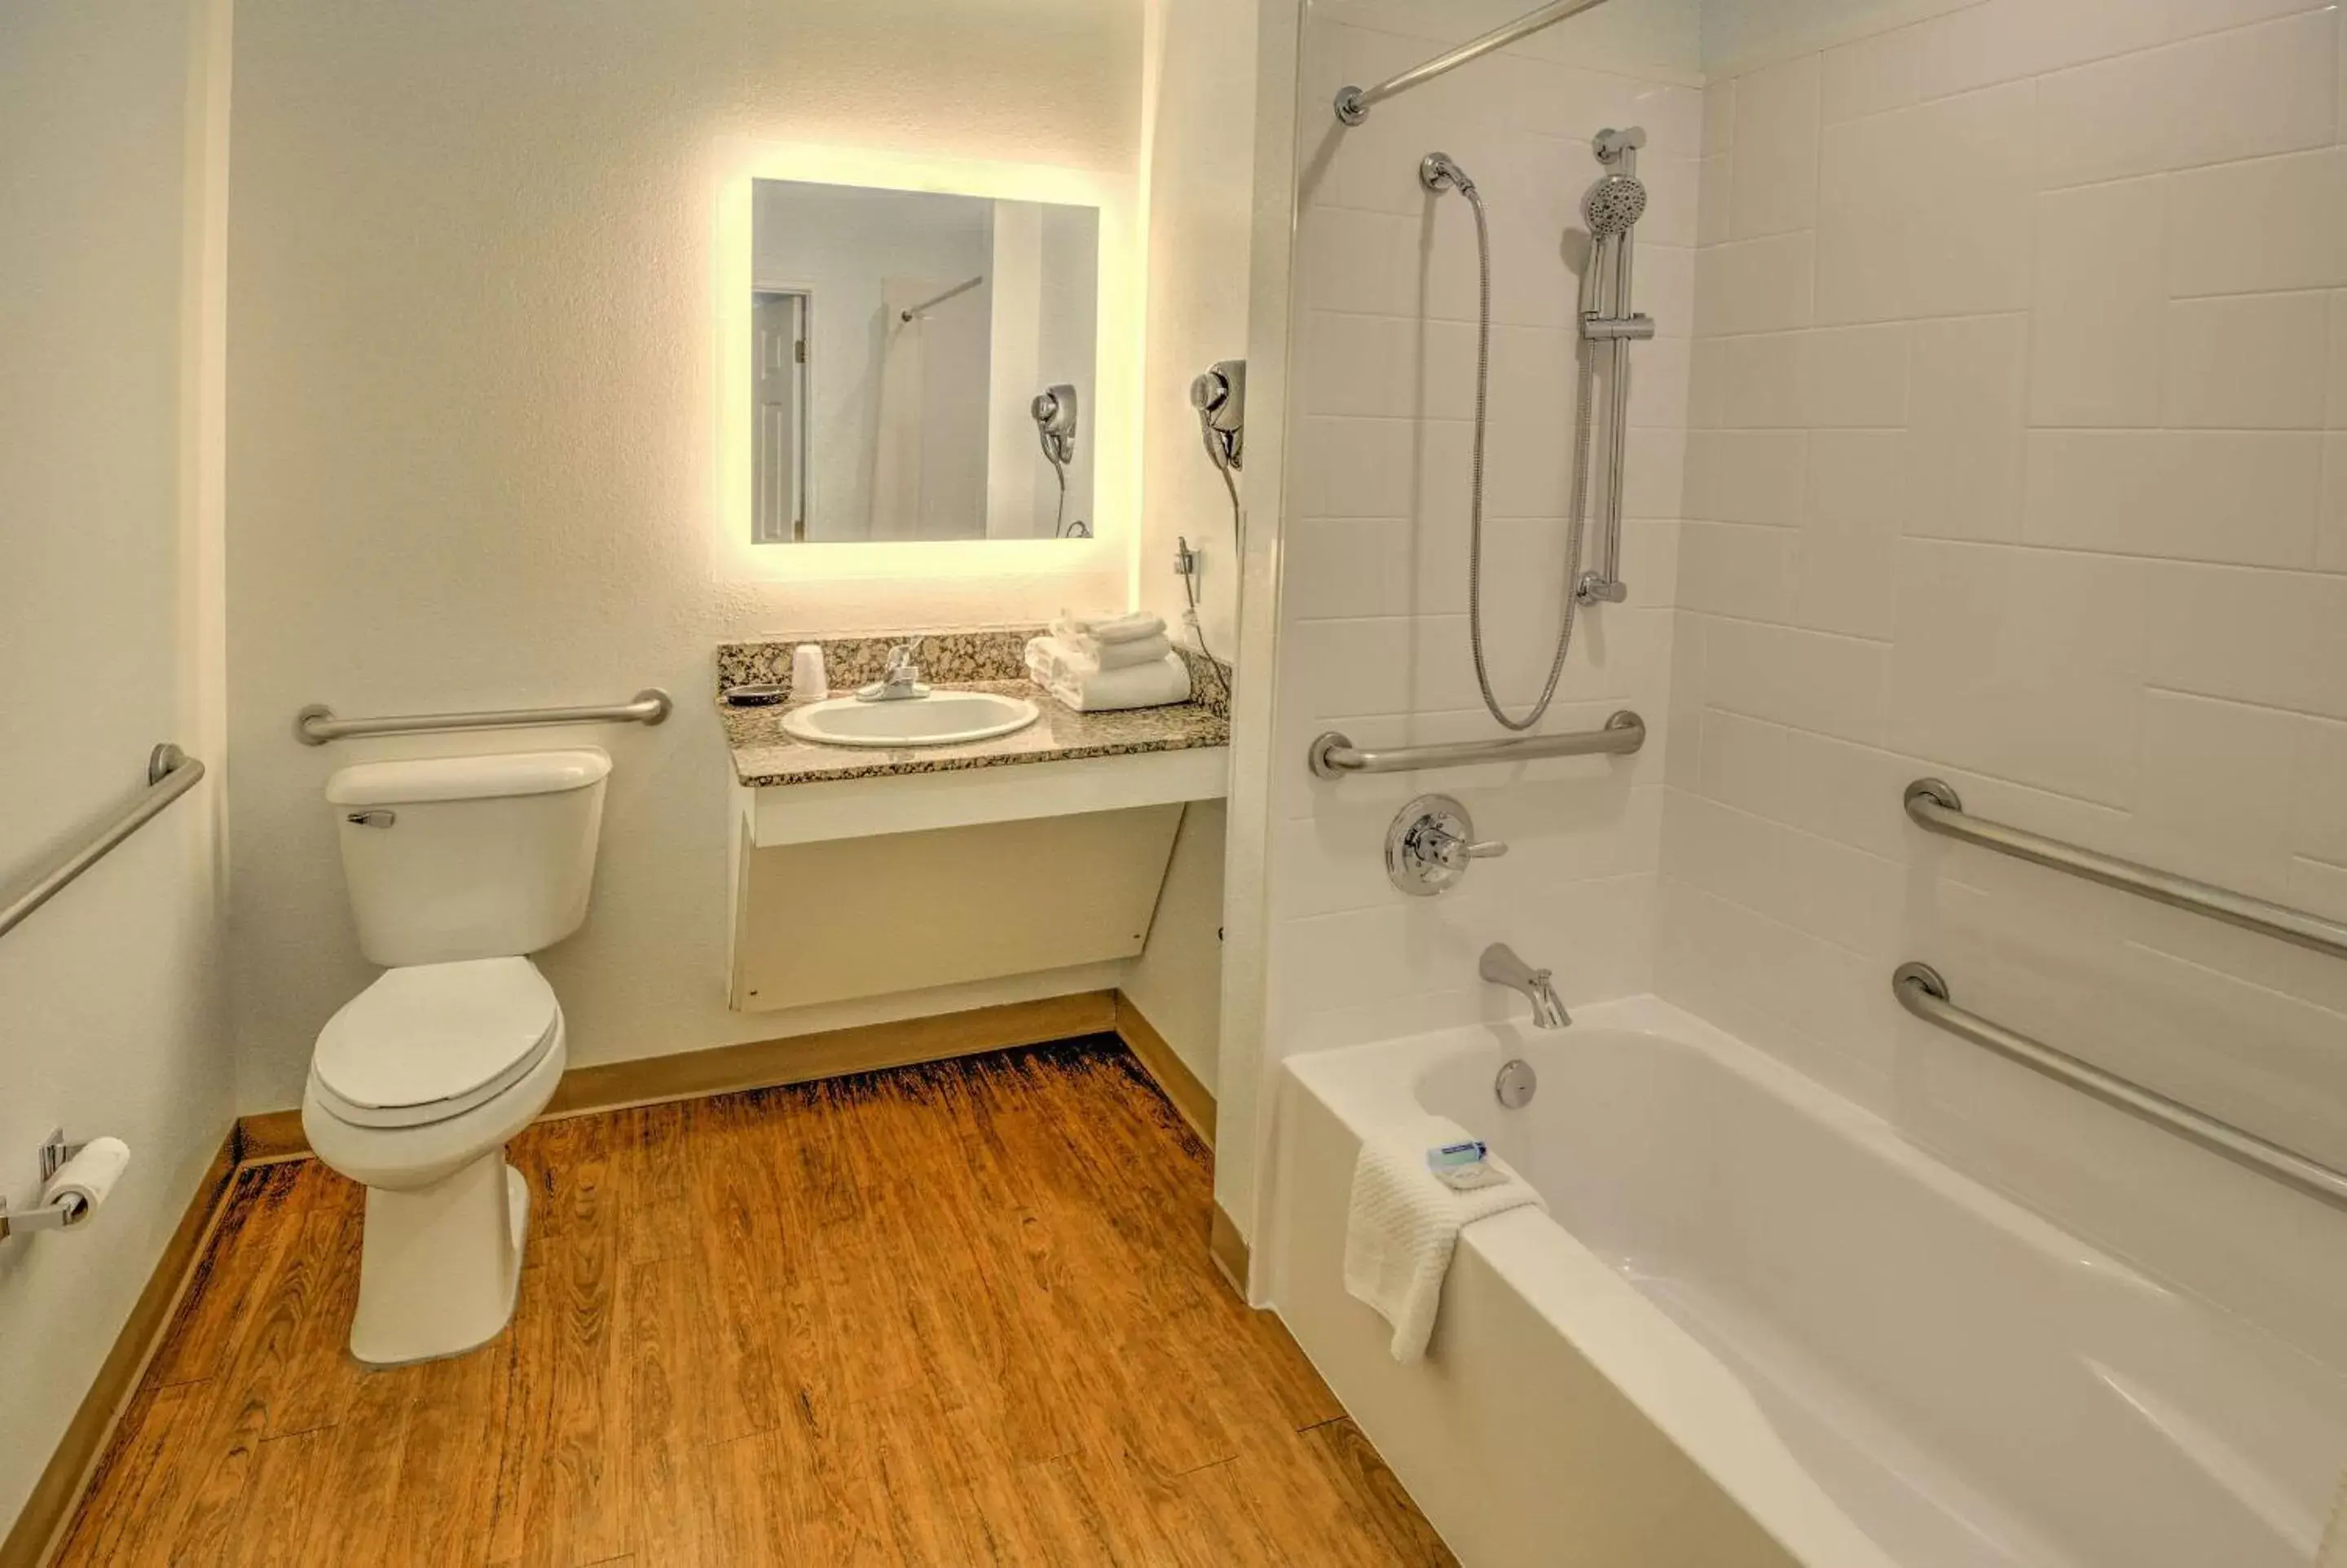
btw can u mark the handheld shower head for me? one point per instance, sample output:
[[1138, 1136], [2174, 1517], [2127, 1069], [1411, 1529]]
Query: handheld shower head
[[1436, 172], [1614, 204]]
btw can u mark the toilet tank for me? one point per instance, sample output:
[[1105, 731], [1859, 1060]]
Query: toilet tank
[[469, 857]]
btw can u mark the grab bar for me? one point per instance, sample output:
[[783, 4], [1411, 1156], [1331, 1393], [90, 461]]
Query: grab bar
[[1353, 103], [316, 724], [1935, 804], [1333, 754], [1921, 991], [170, 774]]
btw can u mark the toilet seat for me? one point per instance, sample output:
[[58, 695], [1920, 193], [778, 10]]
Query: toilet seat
[[431, 1041]]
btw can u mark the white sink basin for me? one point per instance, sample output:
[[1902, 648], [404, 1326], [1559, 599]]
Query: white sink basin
[[940, 719]]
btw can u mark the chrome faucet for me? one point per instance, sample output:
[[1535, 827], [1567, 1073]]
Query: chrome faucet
[[902, 682], [1502, 967]]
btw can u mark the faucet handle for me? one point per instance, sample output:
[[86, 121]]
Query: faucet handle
[[1430, 842], [1454, 848]]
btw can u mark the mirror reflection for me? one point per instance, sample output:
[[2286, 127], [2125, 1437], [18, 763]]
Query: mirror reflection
[[923, 366]]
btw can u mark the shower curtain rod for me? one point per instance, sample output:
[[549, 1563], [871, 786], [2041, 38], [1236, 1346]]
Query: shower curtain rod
[[961, 288], [1353, 103]]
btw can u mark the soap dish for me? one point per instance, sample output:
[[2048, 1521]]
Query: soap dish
[[763, 694]]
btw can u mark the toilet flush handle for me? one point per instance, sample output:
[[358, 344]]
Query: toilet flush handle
[[372, 818]]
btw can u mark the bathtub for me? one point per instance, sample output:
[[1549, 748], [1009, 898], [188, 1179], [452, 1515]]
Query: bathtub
[[1757, 1328]]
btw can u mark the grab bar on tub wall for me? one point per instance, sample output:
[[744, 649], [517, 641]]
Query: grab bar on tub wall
[[1921, 991], [170, 774], [1935, 805], [1333, 754], [316, 724]]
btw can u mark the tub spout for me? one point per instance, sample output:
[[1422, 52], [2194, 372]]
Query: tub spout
[[1502, 967]]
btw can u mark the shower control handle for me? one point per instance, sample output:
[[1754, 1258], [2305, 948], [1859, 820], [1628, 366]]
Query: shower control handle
[[1451, 849], [1430, 844]]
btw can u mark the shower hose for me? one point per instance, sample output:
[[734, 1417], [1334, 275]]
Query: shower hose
[[1579, 515]]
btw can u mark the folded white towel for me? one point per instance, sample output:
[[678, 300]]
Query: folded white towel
[[1126, 626], [1153, 686], [1404, 1224], [1053, 661], [1089, 654]]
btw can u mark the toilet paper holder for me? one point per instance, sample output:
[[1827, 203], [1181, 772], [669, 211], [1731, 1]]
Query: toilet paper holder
[[67, 1210]]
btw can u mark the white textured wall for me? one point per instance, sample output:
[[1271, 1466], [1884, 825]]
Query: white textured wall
[[1176, 982], [2021, 459], [472, 402], [1373, 538], [111, 1018], [1200, 149]]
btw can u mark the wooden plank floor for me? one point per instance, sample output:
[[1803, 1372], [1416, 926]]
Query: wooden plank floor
[[955, 1314]]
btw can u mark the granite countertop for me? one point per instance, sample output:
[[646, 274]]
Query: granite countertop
[[764, 756]]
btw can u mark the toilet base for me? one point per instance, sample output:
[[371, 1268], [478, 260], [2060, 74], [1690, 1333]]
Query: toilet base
[[440, 1265]]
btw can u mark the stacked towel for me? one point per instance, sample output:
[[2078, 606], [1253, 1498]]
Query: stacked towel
[[1138, 668], [1086, 654], [1092, 643], [1404, 1224], [1153, 686], [1122, 626]]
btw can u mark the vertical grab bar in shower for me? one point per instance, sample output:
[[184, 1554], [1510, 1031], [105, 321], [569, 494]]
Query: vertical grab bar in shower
[[1609, 325]]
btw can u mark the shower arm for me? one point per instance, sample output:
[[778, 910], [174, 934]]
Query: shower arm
[[1353, 103]]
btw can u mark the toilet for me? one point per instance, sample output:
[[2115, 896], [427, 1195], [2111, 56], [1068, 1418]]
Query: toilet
[[458, 868]]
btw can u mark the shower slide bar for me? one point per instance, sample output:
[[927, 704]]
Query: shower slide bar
[[316, 724], [1333, 754], [1921, 991], [1353, 103], [170, 774], [1935, 805], [965, 286]]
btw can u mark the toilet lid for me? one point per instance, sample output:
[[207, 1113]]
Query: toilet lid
[[432, 1033]]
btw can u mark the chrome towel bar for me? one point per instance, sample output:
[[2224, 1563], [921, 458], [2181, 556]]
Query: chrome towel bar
[[316, 724], [1921, 991], [1935, 804], [1333, 755], [170, 774], [1353, 103]]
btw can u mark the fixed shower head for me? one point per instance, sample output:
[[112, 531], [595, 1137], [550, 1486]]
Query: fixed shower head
[[1614, 204], [1436, 172]]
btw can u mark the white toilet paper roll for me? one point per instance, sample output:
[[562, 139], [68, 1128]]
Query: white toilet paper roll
[[89, 1175]]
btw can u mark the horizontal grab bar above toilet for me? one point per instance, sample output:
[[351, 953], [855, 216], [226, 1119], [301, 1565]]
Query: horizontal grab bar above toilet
[[1921, 991], [316, 724], [1333, 755]]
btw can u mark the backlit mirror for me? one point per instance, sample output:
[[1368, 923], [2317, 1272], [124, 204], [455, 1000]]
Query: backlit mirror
[[921, 365]]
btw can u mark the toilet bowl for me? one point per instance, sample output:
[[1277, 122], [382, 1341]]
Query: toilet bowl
[[414, 1089], [458, 867]]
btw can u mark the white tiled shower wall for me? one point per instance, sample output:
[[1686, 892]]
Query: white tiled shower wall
[[1373, 621], [2013, 434], [2019, 457]]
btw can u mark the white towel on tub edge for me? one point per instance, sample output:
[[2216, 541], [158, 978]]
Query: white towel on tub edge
[[1403, 1225]]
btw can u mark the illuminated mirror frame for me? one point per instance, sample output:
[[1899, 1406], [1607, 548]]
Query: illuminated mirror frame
[[1117, 338]]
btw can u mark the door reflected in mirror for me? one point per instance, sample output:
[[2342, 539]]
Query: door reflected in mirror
[[922, 365]]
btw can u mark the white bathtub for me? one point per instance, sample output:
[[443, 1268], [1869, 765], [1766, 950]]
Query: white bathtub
[[1759, 1327]]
